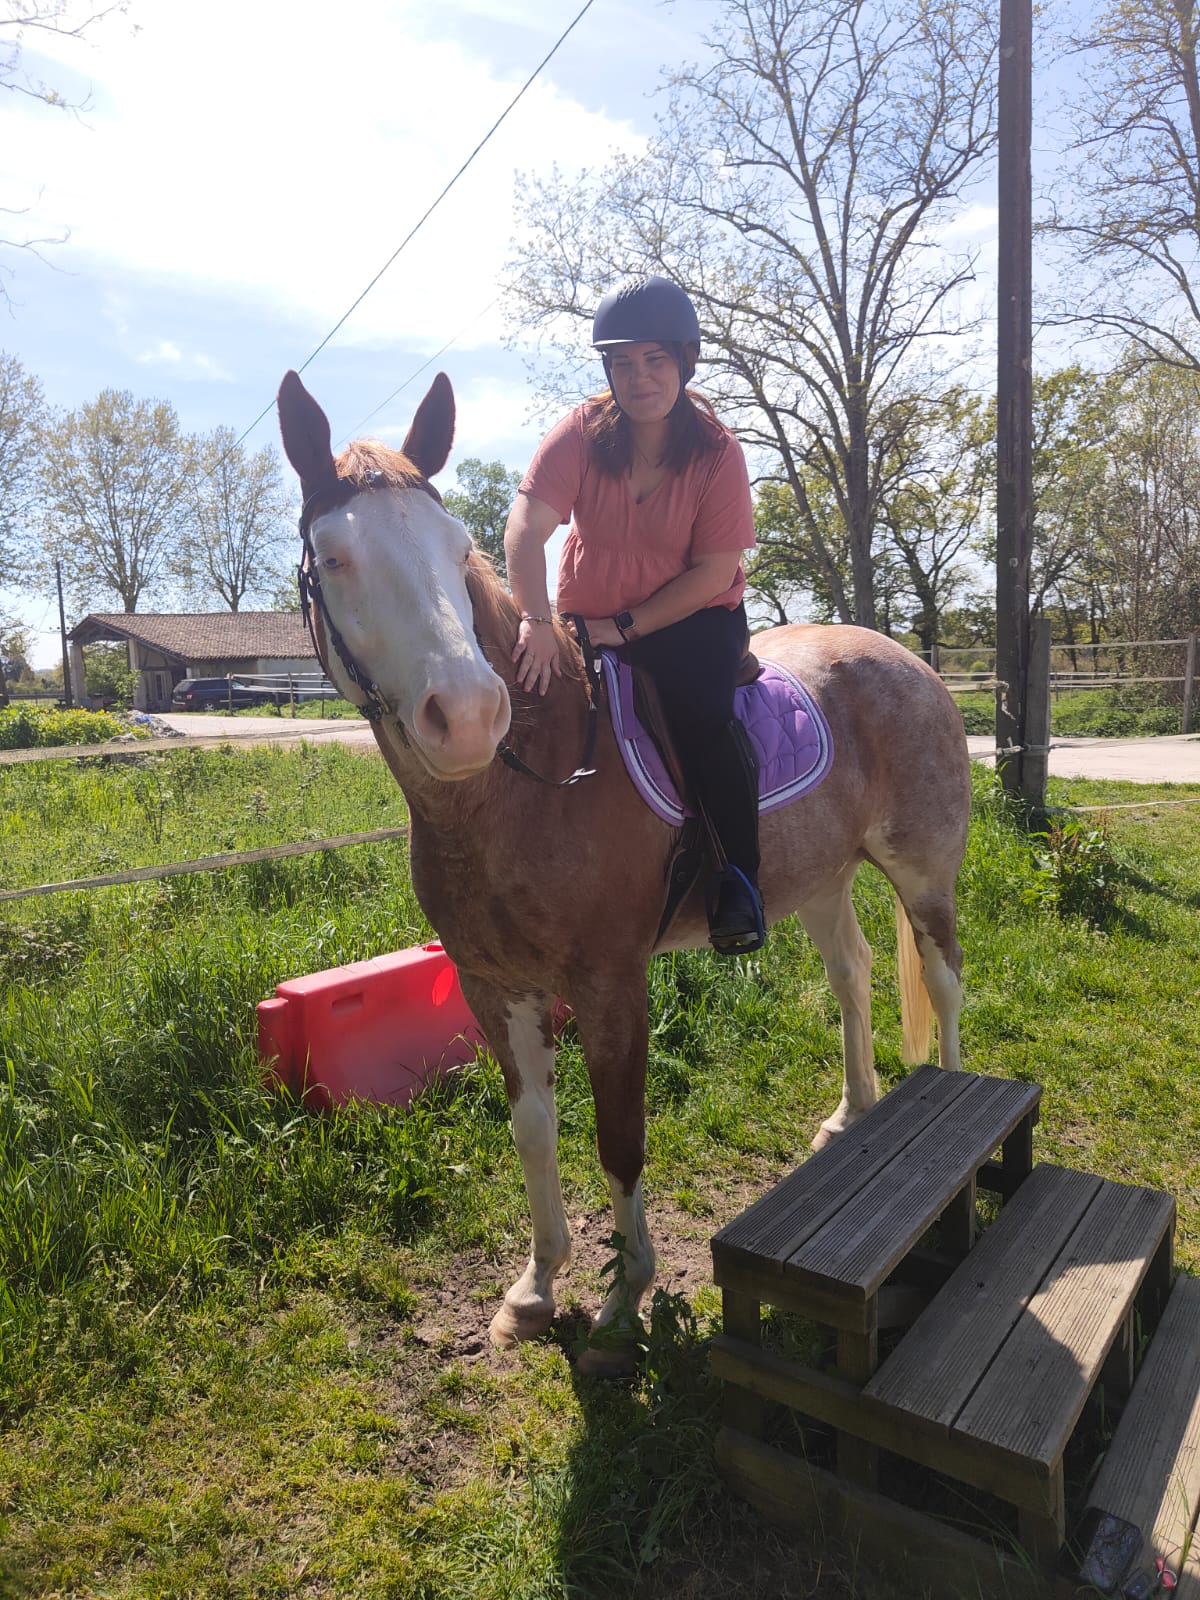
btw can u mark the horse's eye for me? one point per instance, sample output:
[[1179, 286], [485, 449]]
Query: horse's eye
[[331, 562]]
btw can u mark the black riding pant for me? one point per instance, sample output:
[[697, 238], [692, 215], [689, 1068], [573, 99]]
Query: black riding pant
[[694, 666]]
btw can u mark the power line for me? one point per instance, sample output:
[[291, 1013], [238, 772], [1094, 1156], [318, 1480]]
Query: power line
[[431, 209], [416, 373]]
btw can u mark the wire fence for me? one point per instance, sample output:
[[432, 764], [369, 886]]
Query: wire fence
[[1167, 666]]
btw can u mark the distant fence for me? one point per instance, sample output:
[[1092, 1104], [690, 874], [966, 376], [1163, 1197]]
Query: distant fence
[[1114, 664]]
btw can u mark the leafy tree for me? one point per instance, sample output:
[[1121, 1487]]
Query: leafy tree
[[115, 497], [482, 501], [21, 21], [22, 412], [793, 188], [14, 652], [940, 478], [107, 675], [792, 575], [1133, 216], [237, 541]]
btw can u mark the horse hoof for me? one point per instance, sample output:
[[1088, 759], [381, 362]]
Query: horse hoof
[[510, 1328], [612, 1364], [824, 1137]]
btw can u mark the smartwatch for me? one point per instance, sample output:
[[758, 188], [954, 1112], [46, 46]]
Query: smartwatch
[[626, 626]]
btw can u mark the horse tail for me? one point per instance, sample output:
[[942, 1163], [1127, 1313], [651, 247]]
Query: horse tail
[[916, 1010]]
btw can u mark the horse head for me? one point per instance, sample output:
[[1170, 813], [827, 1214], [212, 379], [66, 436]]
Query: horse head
[[386, 567]]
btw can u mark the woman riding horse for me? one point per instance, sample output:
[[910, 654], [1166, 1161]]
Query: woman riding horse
[[656, 492]]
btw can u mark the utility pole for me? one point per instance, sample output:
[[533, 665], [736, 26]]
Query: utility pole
[[62, 634], [1014, 392]]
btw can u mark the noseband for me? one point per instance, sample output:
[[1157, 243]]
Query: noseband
[[374, 707]]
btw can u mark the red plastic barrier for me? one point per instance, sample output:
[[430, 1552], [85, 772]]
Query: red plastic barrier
[[373, 1030]]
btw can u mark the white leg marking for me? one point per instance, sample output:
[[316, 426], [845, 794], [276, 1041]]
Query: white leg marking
[[529, 1305], [833, 927], [945, 994], [616, 1356]]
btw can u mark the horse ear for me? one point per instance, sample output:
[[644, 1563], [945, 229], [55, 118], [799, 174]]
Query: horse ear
[[306, 438], [432, 433]]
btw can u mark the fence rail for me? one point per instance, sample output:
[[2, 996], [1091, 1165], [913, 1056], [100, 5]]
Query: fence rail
[[1179, 669]]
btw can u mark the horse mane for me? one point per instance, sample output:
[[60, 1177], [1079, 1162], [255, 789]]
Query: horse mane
[[365, 462], [497, 617]]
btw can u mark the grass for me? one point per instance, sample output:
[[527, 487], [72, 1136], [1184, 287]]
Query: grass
[[1128, 712], [242, 1348]]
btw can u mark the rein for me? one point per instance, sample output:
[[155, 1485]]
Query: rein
[[374, 707]]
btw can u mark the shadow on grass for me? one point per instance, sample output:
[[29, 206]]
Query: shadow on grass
[[644, 1514]]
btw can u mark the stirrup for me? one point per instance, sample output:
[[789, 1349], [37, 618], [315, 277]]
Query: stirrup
[[736, 923]]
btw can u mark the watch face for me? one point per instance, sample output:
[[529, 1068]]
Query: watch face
[[624, 619]]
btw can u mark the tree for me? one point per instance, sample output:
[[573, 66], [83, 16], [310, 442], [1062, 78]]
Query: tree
[[940, 480], [1133, 219], [18, 20], [22, 413], [795, 188], [115, 497], [235, 543], [482, 501]]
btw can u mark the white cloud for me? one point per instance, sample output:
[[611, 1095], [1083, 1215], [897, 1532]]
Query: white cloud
[[268, 149], [184, 364]]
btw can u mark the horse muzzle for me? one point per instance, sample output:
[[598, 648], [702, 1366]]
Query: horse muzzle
[[456, 732]]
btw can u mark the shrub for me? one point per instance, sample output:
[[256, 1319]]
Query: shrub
[[1076, 871], [26, 727]]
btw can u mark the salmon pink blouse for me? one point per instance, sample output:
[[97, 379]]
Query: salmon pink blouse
[[618, 553]]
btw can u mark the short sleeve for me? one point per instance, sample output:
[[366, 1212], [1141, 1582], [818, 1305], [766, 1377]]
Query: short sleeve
[[725, 516], [556, 472]]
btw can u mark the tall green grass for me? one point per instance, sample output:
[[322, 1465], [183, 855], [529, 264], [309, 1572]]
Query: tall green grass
[[228, 1362]]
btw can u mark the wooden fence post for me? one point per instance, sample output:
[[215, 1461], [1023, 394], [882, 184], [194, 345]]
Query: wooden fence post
[[1035, 759], [1189, 681]]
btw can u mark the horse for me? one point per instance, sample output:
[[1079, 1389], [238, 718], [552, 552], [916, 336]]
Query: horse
[[543, 884]]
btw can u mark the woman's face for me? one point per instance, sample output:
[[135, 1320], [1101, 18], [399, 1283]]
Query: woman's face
[[645, 380]]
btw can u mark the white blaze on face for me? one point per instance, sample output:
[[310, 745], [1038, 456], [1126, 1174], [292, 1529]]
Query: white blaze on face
[[392, 569]]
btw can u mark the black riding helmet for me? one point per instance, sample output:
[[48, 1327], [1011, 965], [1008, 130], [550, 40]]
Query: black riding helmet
[[645, 311]]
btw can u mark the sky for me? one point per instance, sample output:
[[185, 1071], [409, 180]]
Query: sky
[[242, 171]]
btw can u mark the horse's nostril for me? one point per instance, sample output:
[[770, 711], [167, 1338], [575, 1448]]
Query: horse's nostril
[[432, 722]]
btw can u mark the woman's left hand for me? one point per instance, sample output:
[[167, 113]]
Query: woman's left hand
[[603, 630]]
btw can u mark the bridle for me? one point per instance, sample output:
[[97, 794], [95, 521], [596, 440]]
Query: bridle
[[373, 706]]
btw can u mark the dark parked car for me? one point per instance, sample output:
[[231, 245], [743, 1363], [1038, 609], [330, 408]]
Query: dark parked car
[[218, 694]]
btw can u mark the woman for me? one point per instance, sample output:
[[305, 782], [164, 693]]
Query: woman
[[658, 498]]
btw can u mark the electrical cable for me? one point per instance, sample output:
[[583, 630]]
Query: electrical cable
[[584, 9]]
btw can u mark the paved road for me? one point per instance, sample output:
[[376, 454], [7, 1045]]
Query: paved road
[[1165, 759], [1160, 760]]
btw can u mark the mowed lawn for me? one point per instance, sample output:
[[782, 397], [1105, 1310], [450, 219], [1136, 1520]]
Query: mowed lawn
[[243, 1348]]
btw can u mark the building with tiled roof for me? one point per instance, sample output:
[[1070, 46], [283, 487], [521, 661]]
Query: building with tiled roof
[[164, 648]]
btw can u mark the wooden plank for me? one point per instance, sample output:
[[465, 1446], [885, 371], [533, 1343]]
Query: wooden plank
[[827, 1397], [1028, 1401], [1150, 1475], [936, 1366], [1189, 1576], [906, 1548], [828, 1305], [876, 1226], [775, 1226]]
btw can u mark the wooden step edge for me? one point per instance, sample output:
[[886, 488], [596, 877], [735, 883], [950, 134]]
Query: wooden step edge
[[840, 1403], [1150, 1475]]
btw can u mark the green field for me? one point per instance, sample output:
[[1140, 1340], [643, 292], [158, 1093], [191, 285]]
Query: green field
[[243, 1348]]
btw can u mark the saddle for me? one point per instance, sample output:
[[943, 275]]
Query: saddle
[[785, 727]]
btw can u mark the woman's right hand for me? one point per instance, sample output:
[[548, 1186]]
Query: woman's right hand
[[536, 655]]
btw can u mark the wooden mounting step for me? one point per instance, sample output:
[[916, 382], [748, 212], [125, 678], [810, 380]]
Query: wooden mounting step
[[824, 1239], [992, 1377], [1150, 1475]]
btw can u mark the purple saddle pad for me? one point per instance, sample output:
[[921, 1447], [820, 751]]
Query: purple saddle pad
[[787, 728]]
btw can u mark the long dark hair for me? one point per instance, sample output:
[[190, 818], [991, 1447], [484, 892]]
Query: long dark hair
[[692, 426]]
